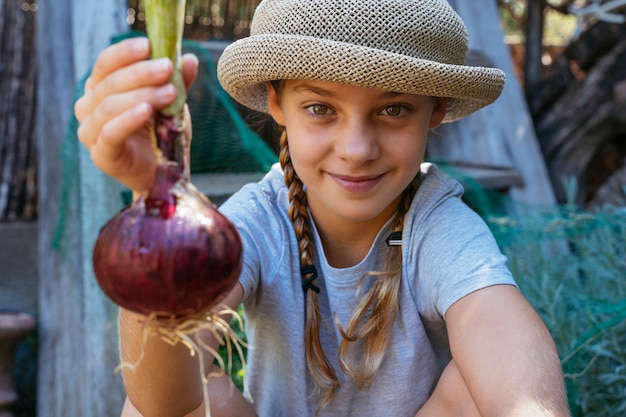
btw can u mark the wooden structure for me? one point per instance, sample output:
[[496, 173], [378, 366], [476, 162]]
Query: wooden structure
[[78, 349], [77, 325], [501, 136]]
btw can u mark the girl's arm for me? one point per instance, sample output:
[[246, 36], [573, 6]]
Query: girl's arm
[[506, 355], [122, 94], [167, 381]]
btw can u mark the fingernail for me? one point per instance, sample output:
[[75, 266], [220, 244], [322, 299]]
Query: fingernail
[[160, 65], [140, 44], [192, 57], [142, 110], [166, 92]]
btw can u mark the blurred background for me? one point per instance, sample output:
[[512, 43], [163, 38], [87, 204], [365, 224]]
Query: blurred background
[[544, 165]]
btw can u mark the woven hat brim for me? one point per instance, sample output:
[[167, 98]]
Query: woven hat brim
[[247, 64]]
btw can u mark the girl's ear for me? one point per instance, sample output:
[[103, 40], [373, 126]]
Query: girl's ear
[[439, 112], [273, 104]]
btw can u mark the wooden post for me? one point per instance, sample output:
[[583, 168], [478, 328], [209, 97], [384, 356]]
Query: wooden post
[[78, 347], [501, 134], [534, 42]]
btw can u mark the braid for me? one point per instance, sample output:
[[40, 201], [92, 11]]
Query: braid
[[372, 321], [326, 382]]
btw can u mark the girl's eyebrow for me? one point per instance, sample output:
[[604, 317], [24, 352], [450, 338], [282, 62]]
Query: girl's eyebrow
[[305, 87]]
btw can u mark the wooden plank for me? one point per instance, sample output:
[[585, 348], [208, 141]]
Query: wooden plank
[[488, 177], [99, 196], [590, 115], [78, 347], [59, 356], [18, 188], [218, 187], [534, 42]]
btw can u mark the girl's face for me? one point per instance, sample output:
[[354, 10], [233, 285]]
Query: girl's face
[[356, 149]]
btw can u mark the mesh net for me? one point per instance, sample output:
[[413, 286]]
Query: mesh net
[[222, 140]]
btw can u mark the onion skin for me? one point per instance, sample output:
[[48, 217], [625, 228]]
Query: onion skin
[[171, 252]]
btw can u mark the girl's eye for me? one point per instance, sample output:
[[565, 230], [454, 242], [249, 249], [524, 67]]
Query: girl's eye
[[393, 110], [318, 109]]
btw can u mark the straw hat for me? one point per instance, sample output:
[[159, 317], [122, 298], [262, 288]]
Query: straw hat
[[408, 46]]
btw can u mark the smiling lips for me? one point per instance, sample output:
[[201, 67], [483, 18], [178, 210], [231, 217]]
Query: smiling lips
[[357, 184]]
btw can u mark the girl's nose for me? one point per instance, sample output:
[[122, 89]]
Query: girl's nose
[[357, 143]]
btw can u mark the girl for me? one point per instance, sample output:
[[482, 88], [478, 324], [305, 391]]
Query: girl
[[364, 274]]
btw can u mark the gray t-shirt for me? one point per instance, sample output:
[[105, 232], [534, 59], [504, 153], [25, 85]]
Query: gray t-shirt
[[448, 252]]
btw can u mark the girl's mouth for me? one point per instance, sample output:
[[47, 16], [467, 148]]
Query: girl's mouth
[[357, 184]]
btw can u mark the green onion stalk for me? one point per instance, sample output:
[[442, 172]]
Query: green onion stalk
[[165, 22]]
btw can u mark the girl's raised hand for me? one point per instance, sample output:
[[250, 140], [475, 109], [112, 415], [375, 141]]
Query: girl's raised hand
[[115, 112]]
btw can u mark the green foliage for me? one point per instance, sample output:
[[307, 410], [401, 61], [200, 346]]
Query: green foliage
[[571, 265], [559, 24], [231, 357]]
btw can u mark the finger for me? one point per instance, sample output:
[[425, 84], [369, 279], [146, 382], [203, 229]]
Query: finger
[[130, 160], [134, 77], [117, 56], [150, 73], [190, 69], [81, 107], [116, 105], [111, 144]]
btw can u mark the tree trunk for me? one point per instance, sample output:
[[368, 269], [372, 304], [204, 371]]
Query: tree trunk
[[534, 42], [18, 188]]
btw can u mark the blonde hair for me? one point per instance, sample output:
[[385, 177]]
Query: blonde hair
[[367, 334]]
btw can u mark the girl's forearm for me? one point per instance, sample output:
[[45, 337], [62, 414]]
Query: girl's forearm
[[225, 401], [166, 380], [451, 398]]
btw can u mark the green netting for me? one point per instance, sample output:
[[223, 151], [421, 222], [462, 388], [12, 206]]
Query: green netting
[[69, 179], [222, 140]]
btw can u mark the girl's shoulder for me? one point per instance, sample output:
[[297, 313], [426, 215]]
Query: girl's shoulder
[[438, 211], [259, 212], [260, 208], [436, 193], [436, 186], [268, 194], [452, 249]]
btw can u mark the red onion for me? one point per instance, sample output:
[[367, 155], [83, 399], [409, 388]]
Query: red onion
[[171, 252]]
